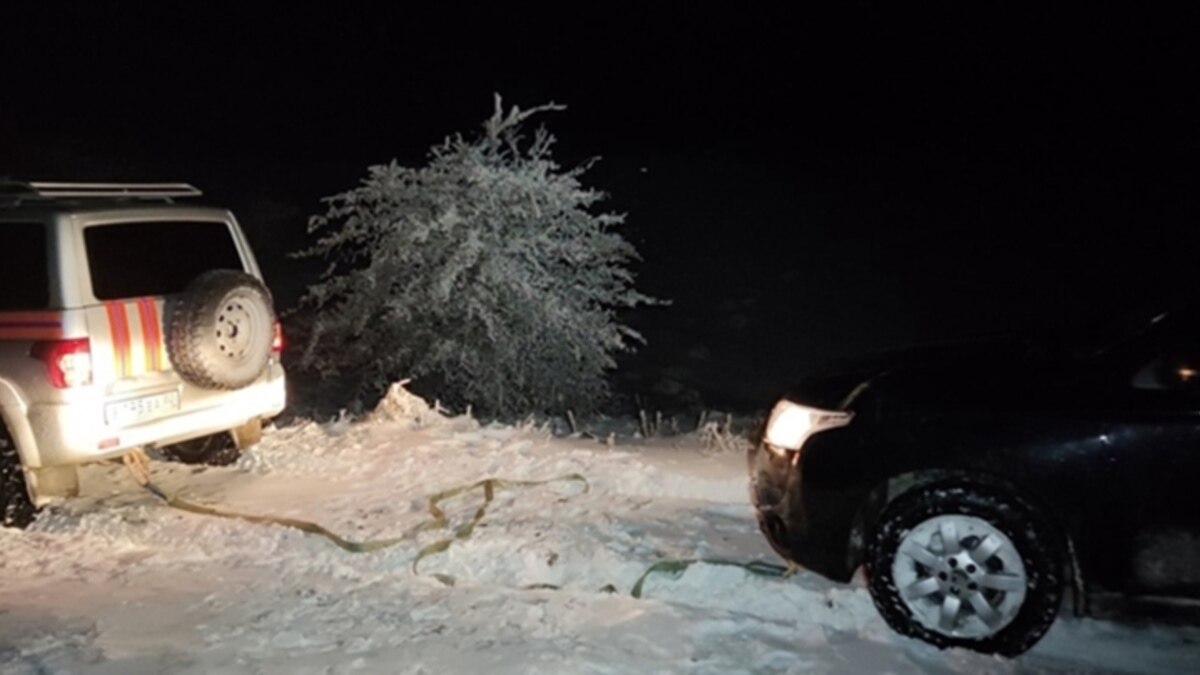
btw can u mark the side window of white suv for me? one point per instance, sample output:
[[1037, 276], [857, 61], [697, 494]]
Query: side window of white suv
[[23, 257]]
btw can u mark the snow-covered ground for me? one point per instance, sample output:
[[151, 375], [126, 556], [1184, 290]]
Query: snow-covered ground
[[117, 582]]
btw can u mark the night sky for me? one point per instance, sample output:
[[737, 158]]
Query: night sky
[[804, 186]]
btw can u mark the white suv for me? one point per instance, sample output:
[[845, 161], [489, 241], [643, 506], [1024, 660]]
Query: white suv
[[127, 321]]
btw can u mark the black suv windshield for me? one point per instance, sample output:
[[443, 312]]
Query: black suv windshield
[[1093, 334]]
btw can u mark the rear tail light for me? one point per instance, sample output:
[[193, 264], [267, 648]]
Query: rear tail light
[[277, 339], [68, 362]]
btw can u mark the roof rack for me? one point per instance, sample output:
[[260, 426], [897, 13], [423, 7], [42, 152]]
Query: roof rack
[[78, 190]]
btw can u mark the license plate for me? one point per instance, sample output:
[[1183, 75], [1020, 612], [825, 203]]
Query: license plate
[[129, 411]]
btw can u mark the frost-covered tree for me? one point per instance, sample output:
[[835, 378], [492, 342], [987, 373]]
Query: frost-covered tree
[[484, 275]]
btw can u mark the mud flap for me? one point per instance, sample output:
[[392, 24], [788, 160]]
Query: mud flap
[[49, 483], [247, 435]]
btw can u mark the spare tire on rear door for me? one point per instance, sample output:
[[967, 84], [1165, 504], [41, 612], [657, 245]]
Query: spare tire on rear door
[[220, 329]]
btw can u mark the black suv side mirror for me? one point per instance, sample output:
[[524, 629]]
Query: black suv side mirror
[[1174, 371]]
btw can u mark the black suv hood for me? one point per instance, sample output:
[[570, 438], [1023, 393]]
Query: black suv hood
[[976, 370]]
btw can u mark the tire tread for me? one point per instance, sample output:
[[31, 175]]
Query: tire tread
[[1037, 539]]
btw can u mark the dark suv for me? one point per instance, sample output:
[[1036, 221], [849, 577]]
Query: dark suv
[[977, 482]]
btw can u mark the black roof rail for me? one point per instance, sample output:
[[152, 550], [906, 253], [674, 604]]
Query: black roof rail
[[37, 190]]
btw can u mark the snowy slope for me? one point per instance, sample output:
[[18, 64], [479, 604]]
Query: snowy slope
[[116, 582]]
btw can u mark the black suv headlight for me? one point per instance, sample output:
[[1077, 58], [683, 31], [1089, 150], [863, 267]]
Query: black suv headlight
[[790, 425]]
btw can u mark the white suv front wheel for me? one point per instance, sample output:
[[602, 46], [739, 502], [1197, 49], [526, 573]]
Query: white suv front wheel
[[16, 508]]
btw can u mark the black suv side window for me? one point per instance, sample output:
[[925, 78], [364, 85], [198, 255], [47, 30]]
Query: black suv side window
[[1170, 371], [23, 257], [1170, 360]]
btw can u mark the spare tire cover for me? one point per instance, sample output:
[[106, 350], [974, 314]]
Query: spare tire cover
[[220, 330]]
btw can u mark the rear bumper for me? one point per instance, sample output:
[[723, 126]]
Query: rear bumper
[[810, 527], [76, 432]]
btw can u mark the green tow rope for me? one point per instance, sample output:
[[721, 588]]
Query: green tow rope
[[677, 567], [438, 518]]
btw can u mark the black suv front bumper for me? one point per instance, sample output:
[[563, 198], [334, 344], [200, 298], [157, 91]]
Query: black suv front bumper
[[804, 523]]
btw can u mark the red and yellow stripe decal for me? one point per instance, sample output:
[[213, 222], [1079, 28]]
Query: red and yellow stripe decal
[[151, 333], [138, 346], [41, 325], [137, 338], [118, 325]]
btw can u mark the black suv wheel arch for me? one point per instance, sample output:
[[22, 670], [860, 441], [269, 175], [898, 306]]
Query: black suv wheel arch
[[884, 493]]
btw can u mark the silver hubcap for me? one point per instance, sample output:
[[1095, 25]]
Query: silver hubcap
[[237, 327], [960, 576]]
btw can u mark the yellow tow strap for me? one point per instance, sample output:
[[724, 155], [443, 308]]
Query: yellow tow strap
[[438, 519], [489, 486], [294, 523]]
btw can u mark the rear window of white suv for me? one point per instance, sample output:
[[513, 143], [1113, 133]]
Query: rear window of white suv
[[26, 270], [129, 260]]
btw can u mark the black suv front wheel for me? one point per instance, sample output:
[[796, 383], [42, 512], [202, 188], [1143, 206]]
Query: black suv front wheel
[[964, 566]]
